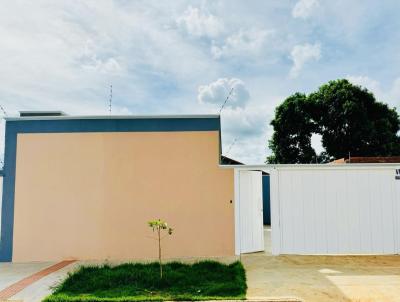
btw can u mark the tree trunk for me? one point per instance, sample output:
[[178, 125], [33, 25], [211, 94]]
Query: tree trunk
[[159, 252]]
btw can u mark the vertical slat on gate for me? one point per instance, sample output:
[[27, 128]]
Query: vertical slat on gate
[[309, 205], [331, 211], [364, 210], [319, 212], [396, 200], [276, 231], [285, 224], [387, 208]]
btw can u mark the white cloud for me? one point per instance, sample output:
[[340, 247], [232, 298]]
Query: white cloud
[[304, 8], [390, 96], [366, 82], [224, 42], [216, 93], [244, 42], [90, 61], [110, 65], [301, 54], [200, 24], [249, 128], [244, 122], [395, 94], [155, 56], [64, 55]]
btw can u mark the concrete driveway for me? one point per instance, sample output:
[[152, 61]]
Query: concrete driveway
[[322, 278]]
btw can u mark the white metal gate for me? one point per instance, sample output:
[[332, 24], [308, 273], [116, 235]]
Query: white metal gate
[[335, 210], [249, 212]]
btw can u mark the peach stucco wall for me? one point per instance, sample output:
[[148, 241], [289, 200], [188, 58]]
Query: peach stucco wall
[[90, 195]]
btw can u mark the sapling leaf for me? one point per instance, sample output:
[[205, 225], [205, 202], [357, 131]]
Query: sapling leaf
[[159, 225]]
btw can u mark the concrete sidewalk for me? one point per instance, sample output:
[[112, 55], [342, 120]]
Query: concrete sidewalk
[[269, 278], [12, 273]]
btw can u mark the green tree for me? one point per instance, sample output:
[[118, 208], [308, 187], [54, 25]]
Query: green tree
[[293, 126], [351, 120], [348, 117], [158, 226]]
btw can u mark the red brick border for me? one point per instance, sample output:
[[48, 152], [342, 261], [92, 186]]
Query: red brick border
[[15, 288]]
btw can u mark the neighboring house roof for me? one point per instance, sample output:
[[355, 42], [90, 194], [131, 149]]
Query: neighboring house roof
[[229, 161], [367, 160], [41, 113], [59, 115]]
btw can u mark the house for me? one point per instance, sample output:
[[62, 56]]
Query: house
[[85, 187], [367, 160]]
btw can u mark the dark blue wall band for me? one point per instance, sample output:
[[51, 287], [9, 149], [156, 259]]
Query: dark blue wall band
[[13, 127]]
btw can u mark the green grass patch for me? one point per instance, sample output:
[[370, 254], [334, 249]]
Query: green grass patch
[[205, 280]]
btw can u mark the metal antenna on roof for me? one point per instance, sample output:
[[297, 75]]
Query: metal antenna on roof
[[231, 145], [110, 101], [227, 98], [2, 109]]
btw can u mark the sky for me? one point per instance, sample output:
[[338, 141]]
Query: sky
[[184, 57]]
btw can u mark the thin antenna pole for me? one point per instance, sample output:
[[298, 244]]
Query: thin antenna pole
[[110, 101], [2, 109], [227, 98], [230, 147]]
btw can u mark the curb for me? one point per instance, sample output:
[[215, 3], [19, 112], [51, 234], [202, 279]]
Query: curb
[[266, 299], [276, 299]]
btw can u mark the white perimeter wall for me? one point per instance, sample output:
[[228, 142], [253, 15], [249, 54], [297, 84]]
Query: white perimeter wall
[[328, 210]]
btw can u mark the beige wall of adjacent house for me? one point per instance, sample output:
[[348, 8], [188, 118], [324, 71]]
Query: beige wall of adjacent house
[[90, 195]]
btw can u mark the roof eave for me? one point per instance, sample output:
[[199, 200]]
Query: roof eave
[[106, 117]]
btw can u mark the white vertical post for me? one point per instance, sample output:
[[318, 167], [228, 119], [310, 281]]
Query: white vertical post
[[237, 211], [275, 212]]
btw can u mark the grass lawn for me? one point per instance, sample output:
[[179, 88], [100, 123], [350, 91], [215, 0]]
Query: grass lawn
[[205, 280]]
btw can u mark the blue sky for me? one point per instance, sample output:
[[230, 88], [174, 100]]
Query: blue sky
[[183, 57]]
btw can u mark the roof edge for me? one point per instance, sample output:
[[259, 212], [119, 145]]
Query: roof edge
[[310, 166], [110, 117]]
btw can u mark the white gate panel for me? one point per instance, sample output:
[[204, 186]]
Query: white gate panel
[[329, 210], [249, 212]]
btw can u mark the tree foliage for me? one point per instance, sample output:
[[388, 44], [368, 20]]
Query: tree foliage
[[293, 127], [348, 118], [158, 226]]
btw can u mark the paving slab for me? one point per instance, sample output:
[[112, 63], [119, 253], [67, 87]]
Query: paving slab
[[11, 273], [43, 287]]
